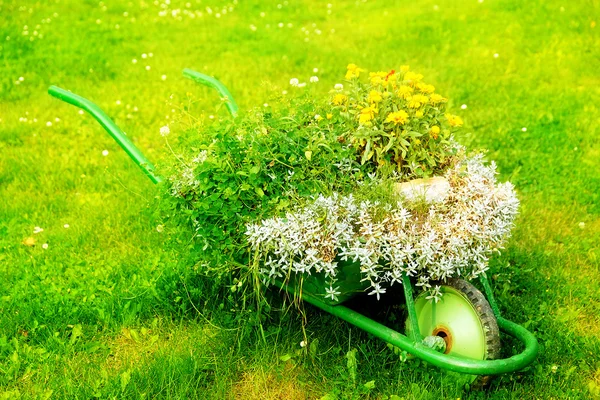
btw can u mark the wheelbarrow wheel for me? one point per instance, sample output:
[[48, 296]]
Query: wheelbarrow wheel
[[464, 319]]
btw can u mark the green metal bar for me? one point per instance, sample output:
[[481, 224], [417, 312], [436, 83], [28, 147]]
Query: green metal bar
[[414, 332], [489, 294], [110, 127], [452, 363], [215, 84]]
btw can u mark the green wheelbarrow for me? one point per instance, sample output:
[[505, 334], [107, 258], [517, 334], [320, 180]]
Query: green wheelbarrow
[[460, 333]]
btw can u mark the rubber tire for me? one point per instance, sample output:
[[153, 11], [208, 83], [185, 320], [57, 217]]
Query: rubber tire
[[486, 318]]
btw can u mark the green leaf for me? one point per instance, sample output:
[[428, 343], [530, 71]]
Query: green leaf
[[370, 385]]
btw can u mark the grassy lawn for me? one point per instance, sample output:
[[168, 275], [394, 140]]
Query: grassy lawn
[[102, 304]]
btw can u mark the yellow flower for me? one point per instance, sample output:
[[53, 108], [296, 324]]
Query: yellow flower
[[329, 116], [425, 88], [378, 78], [436, 98], [398, 117], [367, 114], [353, 71], [417, 101], [434, 131], [419, 114], [413, 77], [374, 96], [339, 99], [454, 120], [405, 92]]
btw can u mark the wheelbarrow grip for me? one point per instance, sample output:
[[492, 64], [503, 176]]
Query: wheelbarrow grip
[[108, 124], [209, 81]]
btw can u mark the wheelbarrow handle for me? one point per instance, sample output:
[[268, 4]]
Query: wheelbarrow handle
[[215, 84], [110, 127]]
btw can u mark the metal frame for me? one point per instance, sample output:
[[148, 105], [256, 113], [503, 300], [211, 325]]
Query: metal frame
[[411, 343]]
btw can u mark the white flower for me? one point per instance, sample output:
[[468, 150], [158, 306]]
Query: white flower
[[37, 229], [464, 107], [315, 70], [45, 246], [524, 129], [164, 131], [160, 228], [332, 293], [377, 289], [294, 82], [338, 86], [104, 153], [314, 79], [163, 77], [302, 84], [303, 344], [66, 226]]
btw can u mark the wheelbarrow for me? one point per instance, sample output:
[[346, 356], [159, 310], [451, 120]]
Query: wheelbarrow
[[460, 333]]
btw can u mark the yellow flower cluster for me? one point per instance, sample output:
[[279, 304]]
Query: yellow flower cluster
[[397, 117], [367, 114]]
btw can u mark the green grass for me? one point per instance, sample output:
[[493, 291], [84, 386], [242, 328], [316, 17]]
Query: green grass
[[114, 308]]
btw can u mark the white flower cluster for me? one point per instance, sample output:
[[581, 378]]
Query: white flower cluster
[[444, 239]]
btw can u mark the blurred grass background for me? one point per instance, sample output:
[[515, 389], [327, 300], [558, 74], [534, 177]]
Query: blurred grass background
[[113, 308]]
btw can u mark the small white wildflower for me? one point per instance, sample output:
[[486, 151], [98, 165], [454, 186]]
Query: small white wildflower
[[332, 293], [56, 119], [48, 123], [252, 28], [266, 105], [581, 225], [118, 102], [303, 344], [160, 228], [80, 112], [66, 226], [338, 86], [37, 229], [134, 61], [163, 77], [315, 70], [554, 369], [147, 68], [302, 84], [21, 79], [463, 107], [164, 131], [144, 55], [280, 25], [496, 55], [314, 79], [377, 289], [104, 153], [45, 246], [294, 82], [524, 129], [318, 117], [284, 92]]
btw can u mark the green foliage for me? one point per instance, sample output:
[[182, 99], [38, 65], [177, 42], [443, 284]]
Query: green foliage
[[255, 167]]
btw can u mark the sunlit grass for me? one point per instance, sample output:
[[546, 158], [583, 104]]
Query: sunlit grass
[[67, 311]]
